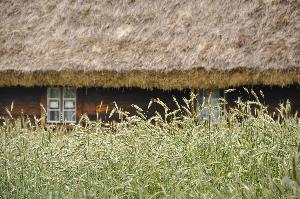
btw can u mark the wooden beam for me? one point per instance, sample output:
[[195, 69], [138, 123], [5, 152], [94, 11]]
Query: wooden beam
[[43, 106], [79, 104]]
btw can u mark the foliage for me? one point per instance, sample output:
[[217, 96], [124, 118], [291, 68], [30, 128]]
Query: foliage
[[246, 155]]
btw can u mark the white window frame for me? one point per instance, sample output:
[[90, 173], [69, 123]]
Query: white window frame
[[61, 100]]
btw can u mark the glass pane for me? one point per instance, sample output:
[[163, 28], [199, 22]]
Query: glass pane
[[211, 107], [69, 93], [69, 104], [54, 92], [54, 104], [69, 116], [53, 116]]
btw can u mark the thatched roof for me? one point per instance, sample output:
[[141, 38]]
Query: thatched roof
[[157, 43]]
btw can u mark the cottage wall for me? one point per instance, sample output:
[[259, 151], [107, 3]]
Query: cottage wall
[[27, 100], [272, 96], [104, 99], [21, 100]]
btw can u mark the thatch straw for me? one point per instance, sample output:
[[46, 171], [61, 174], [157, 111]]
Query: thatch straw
[[158, 43], [173, 80]]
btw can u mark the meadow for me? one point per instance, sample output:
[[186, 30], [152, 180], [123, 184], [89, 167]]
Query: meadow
[[247, 154]]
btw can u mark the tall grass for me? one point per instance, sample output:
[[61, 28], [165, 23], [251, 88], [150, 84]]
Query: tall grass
[[167, 156]]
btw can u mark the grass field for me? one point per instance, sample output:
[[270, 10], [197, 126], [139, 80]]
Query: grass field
[[243, 156]]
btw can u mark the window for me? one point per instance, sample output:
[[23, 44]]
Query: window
[[69, 105], [61, 105], [208, 105], [53, 104]]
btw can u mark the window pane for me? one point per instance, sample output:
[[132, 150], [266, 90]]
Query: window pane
[[208, 106], [69, 93], [69, 104], [53, 116], [54, 92], [53, 104], [69, 116]]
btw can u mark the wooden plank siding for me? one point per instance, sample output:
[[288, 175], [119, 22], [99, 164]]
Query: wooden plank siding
[[43, 106], [25, 100], [28, 100], [273, 95], [124, 98]]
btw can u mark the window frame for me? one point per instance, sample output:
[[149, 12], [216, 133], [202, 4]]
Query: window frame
[[61, 109]]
